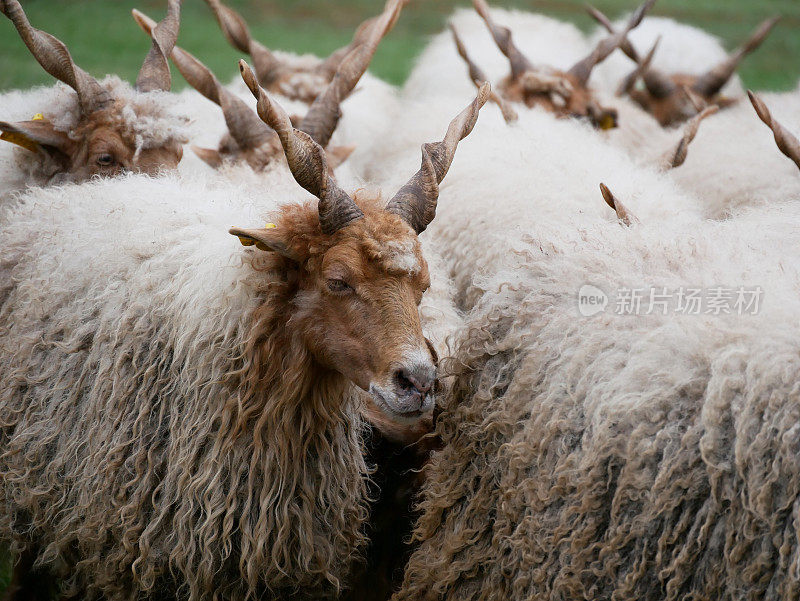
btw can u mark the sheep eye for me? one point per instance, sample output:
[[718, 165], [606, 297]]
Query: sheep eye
[[339, 286], [105, 160]]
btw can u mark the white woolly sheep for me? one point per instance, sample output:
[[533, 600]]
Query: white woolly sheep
[[178, 421], [440, 71], [111, 128], [629, 457], [674, 94]]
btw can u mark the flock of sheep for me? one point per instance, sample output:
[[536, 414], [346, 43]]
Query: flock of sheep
[[569, 340]]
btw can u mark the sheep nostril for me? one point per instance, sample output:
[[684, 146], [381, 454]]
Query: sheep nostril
[[418, 381]]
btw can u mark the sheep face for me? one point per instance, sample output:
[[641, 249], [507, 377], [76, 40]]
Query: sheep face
[[359, 270], [561, 94], [301, 78], [679, 103], [677, 97], [355, 296], [101, 144], [115, 129]]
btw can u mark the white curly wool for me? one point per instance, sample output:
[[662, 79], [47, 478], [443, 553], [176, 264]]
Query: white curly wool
[[683, 49], [439, 70], [621, 456]]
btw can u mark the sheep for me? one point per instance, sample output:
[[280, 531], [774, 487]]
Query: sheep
[[181, 420], [248, 138], [564, 93], [111, 128], [439, 71], [295, 77], [681, 85], [615, 456]]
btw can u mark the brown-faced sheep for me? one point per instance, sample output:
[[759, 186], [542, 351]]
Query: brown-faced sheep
[[112, 128], [178, 419]]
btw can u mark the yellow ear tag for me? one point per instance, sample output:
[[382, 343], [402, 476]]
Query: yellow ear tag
[[270, 226], [20, 140], [608, 122], [245, 241], [38, 117]]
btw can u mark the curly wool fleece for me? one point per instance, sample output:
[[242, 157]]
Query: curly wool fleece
[[622, 457], [143, 450]]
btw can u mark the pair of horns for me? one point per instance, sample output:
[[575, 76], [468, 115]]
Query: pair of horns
[[659, 84], [322, 117], [54, 57], [582, 70], [267, 65], [415, 202], [478, 78]]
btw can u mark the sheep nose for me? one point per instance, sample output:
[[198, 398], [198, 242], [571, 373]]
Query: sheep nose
[[417, 378]]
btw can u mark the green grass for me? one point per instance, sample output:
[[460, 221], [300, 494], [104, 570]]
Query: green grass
[[103, 38]]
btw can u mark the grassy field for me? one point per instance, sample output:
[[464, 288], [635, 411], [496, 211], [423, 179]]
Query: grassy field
[[103, 38]]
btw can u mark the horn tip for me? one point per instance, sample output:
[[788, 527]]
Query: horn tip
[[248, 77], [608, 196]]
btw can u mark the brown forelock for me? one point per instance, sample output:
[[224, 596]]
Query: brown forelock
[[154, 74], [361, 334], [54, 57]]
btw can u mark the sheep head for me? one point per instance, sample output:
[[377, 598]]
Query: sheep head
[[105, 140], [358, 266], [297, 79], [674, 98], [251, 140], [563, 93]]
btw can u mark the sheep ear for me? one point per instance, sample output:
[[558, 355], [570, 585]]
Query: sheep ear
[[269, 238], [211, 157], [38, 135]]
